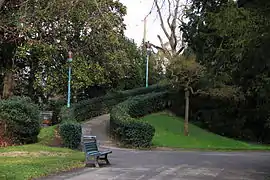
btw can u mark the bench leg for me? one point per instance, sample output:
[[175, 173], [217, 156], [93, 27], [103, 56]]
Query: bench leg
[[96, 161], [106, 159], [87, 159]]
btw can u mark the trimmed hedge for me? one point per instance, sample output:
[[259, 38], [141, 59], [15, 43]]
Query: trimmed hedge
[[139, 91], [70, 130], [131, 131], [21, 120], [90, 108], [70, 133]]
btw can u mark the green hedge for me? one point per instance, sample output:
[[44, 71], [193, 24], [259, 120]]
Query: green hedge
[[70, 133], [90, 108], [139, 91], [86, 109], [21, 119], [129, 130]]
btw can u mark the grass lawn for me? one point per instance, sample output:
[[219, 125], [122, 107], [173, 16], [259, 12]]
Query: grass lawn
[[36, 160], [169, 133]]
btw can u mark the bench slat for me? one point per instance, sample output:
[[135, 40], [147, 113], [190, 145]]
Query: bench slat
[[105, 152], [90, 146]]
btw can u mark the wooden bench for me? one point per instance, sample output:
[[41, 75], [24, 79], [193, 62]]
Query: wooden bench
[[91, 150]]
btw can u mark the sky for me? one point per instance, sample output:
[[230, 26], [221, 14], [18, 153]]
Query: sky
[[136, 11]]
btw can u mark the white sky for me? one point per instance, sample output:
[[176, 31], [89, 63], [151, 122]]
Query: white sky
[[136, 11]]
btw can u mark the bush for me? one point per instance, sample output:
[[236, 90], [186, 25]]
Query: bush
[[21, 120], [66, 114], [70, 133], [90, 108], [55, 106], [131, 131]]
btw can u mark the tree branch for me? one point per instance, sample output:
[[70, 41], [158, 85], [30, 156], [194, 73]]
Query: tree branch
[[161, 42], [173, 40], [180, 50], [175, 14], [157, 47], [170, 6], [164, 50], [161, 20], [168, 20]]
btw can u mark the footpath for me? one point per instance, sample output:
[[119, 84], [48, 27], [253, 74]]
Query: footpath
[[99, 127], [129, 164]]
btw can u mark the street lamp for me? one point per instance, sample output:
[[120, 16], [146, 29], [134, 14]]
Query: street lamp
[[69, 60], [148, 51]]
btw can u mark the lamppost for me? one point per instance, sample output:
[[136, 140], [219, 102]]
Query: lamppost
[[69, 60], [148, 51]]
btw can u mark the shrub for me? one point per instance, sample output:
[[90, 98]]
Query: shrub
[[21, 119], [70, 133], [131, 131], [55, 106], [67, 114]]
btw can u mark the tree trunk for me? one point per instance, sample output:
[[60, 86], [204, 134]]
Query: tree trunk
[[1, 3], [186, 112], [8, 84], [31, 80]]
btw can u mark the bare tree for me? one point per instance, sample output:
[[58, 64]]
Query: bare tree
[[170, 23]]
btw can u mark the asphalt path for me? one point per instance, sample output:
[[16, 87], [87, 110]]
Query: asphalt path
[[127, 164], [173, 165]]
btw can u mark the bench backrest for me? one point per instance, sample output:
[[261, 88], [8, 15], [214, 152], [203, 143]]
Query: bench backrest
[[90, 145]]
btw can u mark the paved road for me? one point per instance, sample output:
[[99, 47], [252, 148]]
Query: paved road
[[171, 165]]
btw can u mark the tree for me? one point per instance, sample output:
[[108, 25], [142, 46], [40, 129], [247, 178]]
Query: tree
[[185, 74], [229, 40], [170, 22], [131, 65], [47, 30], [232, 43], [9, 39]]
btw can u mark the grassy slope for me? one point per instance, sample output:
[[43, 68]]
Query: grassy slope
[[169, 133], [35, 160]]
